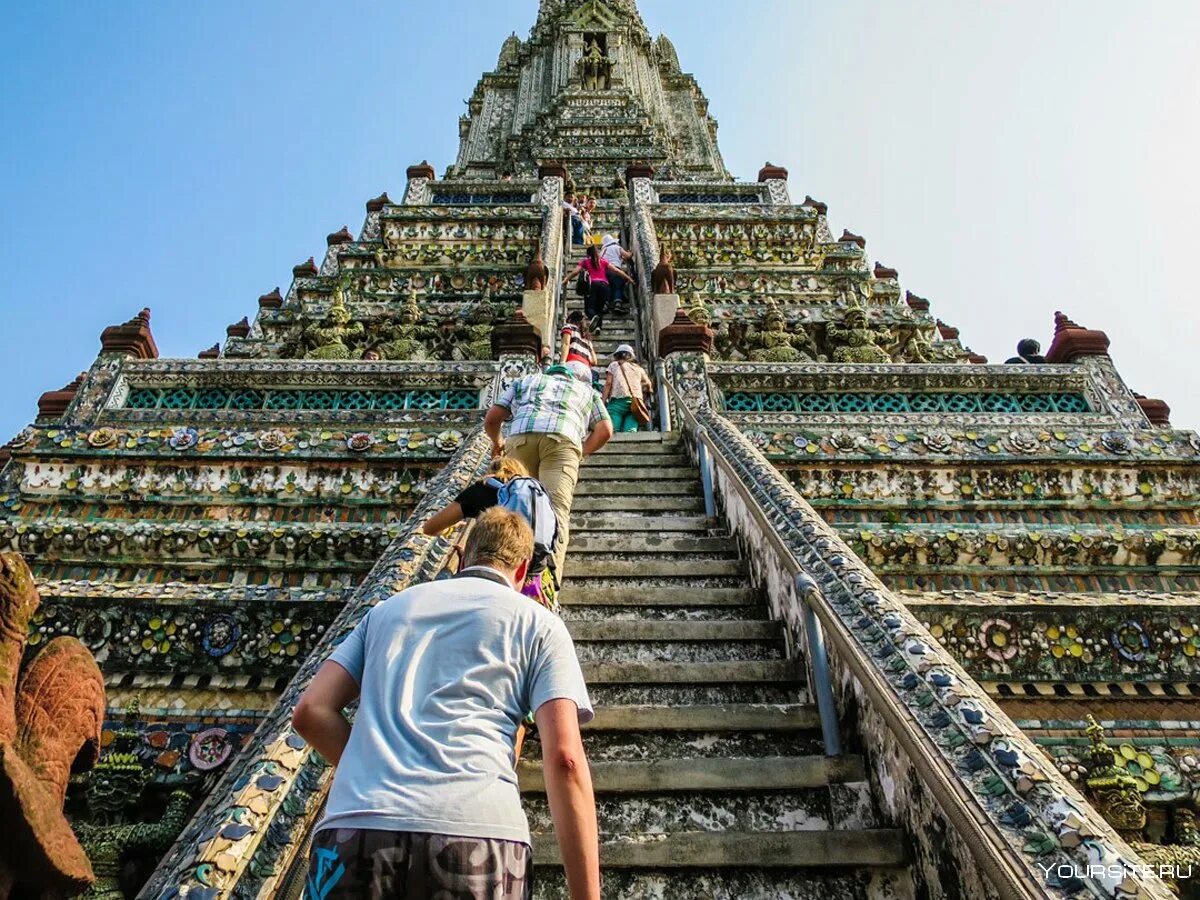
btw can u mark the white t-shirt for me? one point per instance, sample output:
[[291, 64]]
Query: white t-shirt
[[447, 671]]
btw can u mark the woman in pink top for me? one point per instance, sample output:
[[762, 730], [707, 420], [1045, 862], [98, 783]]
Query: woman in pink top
[[598, 272]]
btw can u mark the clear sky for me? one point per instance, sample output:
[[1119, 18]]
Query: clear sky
[[1009, 158]]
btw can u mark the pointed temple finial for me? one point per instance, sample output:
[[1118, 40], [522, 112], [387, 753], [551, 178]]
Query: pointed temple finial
[[132, 338], [1072, 341]]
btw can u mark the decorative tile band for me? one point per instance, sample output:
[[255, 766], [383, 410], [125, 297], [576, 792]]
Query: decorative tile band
[[324, 400], [492, 198], [933, 403]]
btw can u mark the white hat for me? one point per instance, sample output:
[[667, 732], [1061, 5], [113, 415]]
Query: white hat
[[624, 348]]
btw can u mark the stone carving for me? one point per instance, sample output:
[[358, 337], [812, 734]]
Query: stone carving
[[854, 340], [595, 67], [773, 342], [51, 713], [403, 340], [111, 834], [662, 279], [537, 275], [336, 337], [1113, 789]]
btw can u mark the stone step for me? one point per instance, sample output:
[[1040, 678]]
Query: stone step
[[638, 474], [627, 503], [587, 595], [650, 630], [733, 717], [652, 568], [669, 442], [781, 773], [730, 849], [744, 883], [680, 651], [645, 460], [634, 523], [702, 673], [594, 487], [596, 541]]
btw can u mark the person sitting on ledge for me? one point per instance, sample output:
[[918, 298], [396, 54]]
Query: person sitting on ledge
[[1029, 352], [425, 802]]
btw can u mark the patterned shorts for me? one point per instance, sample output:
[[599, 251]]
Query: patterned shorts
[[352, 864]]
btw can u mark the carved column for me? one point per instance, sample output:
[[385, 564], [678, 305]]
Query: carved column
[[418, 192]]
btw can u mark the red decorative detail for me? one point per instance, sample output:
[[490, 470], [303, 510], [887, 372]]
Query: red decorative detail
[[421, 170], [948, 332], [772, 173], [883, 272], [915, 303], [821, 208], [340, 237], [516, 336], [51, 716], [213, 352], [1072, 341], [638, 170], [133, 338], [1156, 410], [306, 269], [684, 336], [5, 456], [553, 170], [378, 203], [52, 404], [239, 329], [273, 300], [849, 237], [976, 359]]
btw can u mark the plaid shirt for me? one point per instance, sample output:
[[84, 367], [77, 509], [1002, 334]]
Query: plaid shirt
[[553, 404]]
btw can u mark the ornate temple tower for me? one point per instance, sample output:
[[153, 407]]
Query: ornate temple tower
[[846, 614]]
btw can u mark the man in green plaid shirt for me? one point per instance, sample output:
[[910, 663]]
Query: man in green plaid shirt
[[556, 422]]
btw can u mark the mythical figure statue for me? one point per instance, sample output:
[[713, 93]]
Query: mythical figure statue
[[855, 341], [662, 279], [403, 340], [595, 67], [1113, 789], [51, 716], [537, 276], [773, 342], [334, 337], [114, 791]]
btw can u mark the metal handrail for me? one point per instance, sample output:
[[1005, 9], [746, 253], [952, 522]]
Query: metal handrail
[[816, 657]]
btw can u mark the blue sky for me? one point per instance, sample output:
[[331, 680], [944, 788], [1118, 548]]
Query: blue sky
[[1010, 159]]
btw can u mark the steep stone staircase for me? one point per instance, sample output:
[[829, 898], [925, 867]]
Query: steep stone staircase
[[706, 754], [618, 329]]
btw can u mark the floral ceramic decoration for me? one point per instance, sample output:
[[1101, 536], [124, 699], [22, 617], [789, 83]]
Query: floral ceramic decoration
[[209, 749], [184, 439]]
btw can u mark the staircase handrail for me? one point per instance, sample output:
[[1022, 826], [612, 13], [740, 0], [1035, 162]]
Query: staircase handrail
[[243, 836], [1025, 825]]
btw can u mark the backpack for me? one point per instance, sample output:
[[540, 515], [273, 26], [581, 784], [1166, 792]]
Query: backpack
[[528, 498]]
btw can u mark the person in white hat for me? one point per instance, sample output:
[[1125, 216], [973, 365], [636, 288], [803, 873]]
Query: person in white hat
[[624, 380], [616, 256]]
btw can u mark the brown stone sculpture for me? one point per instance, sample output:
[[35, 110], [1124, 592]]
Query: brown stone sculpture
[[662, 279], [51, 715], [536, 274]]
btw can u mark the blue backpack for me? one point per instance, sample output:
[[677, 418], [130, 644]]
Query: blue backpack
[[528, 498]]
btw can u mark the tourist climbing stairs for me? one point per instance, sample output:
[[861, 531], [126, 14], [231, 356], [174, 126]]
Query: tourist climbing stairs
[[706, 753], [618, 328]]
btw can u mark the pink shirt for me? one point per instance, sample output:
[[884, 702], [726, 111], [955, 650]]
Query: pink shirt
[[595, 273]]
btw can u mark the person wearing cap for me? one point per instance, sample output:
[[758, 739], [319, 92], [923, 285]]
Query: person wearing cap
[[556, 421], [616, 256], [624, 380]]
